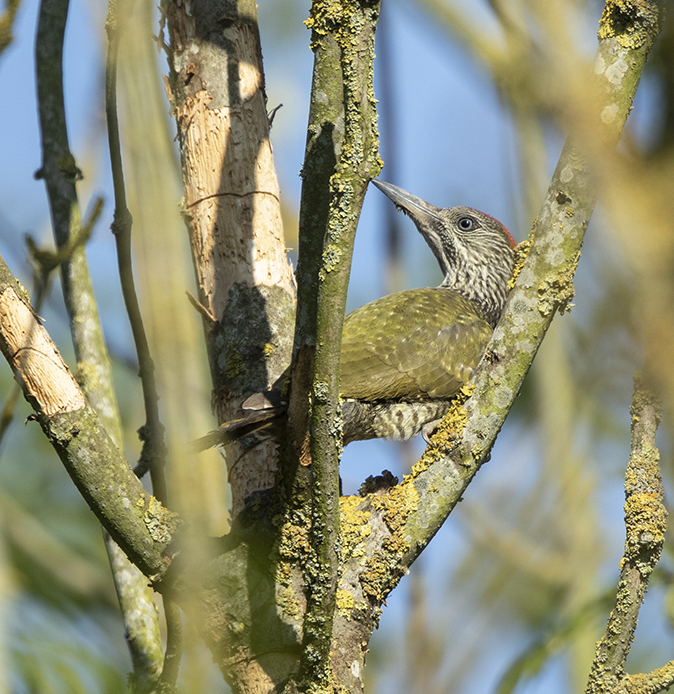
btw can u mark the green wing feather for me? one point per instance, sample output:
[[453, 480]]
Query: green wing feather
[[416, 344]]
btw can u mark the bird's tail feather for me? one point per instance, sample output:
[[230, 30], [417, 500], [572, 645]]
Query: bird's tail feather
[[228, 432]]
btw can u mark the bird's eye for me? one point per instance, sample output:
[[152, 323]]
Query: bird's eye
[[466, 223]]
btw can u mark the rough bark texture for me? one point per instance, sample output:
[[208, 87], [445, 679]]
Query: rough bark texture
[[233, 212], [252, 589], [341, 157], [254, 614]]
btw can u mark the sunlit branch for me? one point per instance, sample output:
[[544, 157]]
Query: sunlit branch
[[341, 157], [544, 286], [645, 526]]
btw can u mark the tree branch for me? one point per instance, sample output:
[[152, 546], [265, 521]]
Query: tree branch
[[233, 214], [136, 520], [417, 508], [60, 173], [341, 157], [153, 452], [645, 525], [544, 285], [44, 263]]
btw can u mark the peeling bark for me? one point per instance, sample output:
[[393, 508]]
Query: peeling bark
[[232, 211]]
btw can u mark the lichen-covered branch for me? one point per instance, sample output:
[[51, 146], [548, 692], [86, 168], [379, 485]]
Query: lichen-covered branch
[[135, 520], [645, 525], [94, 374], [544, 286], [341, 157]]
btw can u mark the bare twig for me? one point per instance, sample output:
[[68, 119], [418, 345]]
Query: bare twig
[[60, 174], [153, 452], [174, 646]]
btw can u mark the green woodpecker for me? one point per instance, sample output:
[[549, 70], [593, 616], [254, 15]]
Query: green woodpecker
[[405, 355]]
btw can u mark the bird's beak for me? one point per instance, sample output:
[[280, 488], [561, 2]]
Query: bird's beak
[[421, 212]]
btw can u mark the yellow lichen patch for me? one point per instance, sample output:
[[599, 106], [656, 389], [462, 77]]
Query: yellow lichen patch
[[235, 366], [282, 574], [382, 572], [397, 504], [324, 15], [629, 21], [556, 290], [521, 254], [267, 349], [289, 603], [375, 577], [353, 527], [294, 542], [448, 433], [161, 523], [382, 569], [645, 523], [345, 603]]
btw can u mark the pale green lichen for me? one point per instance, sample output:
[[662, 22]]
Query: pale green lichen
[[331, 257], [161, 523], [87, 375], [321, 391], [345, 603], [556, 290]]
